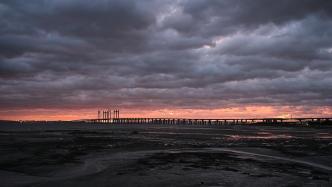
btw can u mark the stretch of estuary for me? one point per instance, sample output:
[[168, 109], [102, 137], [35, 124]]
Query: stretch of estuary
[[160, 155]]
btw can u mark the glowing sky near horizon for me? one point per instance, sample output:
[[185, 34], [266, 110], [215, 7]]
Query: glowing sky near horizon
[[65, 59]]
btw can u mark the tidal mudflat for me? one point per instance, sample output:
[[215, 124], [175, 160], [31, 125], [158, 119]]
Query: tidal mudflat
[[157, 155]]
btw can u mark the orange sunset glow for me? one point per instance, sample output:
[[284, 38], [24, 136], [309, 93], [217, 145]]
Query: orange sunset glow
[[228, 113]]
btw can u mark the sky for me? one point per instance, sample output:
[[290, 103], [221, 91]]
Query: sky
[[65, 59]]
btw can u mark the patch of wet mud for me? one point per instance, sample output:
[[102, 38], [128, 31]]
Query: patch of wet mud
[[197, 160], [36, 153]]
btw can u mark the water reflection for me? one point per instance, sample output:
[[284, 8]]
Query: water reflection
[[260, 135]]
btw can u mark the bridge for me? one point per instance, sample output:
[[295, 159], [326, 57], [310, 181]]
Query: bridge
[[105, 117], [185, 121]]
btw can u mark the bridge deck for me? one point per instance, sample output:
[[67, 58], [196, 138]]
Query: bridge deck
[[170, 121]]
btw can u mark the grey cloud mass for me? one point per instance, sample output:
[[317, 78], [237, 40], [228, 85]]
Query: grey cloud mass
[[165, 53]]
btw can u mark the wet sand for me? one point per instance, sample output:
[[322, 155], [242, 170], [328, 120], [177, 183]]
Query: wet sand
[[157, 155]]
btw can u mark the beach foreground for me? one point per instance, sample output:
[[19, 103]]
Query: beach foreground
[[160, 155]]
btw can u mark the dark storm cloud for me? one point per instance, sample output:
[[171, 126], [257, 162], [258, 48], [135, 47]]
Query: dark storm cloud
[[186, 53], [214, 17]]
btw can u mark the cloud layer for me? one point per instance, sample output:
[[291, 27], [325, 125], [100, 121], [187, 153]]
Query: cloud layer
[[184, 54]]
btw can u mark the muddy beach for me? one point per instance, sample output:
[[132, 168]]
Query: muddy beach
[[157, 155]]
